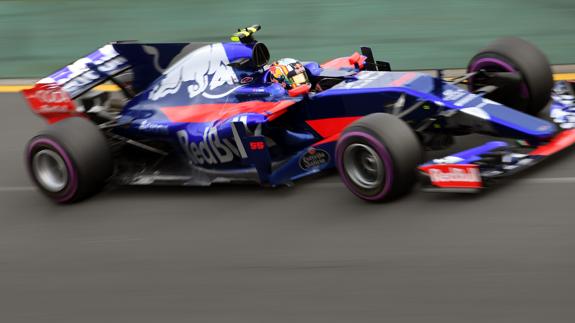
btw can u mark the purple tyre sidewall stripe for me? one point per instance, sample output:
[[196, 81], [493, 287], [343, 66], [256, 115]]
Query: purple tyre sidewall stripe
[[383, 154], [490, 61], [72, 185]]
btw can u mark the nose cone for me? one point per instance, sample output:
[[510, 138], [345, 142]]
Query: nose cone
[[517, 121]]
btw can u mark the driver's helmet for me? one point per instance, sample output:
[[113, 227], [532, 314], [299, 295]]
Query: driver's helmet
[[289, 73]]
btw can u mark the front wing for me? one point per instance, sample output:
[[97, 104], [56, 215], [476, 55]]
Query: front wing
[[477, 168]]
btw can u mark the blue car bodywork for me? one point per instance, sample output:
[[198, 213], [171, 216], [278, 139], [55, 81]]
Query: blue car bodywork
[[204, 113]]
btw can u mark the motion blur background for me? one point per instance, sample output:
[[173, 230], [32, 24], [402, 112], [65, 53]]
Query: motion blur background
[[310, 253], [39, 36]]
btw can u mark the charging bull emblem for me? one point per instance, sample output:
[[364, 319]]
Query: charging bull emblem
[[201, 72]]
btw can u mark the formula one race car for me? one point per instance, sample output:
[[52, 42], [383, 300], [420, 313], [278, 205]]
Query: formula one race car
[[197, 114]]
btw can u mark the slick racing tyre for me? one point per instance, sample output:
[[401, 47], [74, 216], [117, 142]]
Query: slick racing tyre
[[533, 91], [377, 157], [70, 160]]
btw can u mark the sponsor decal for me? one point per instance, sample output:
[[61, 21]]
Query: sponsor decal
[[454, 94], [210, 149], [357, 84], [454, 176], [313, 158], [49, 99], [448, 160], [257, 145], [470, 103], [202, 72], [563, 108], [246, 80], [466, 100], [89, 76], [150, 127], [75, 77], [45, 109], [50, 96]]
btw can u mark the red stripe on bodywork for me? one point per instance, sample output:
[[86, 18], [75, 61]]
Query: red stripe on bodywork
[[330, 126], [222, 111], [561, 141], [328, 140], [404, 79]]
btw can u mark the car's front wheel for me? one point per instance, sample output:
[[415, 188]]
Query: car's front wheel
[[532, 91], [377, 157]]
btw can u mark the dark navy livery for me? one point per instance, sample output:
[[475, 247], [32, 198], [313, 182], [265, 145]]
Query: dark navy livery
[[197, 114]]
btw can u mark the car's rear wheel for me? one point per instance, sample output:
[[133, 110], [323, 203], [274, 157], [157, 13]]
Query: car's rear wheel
[[377, 157], [70, 160], [532, 92]]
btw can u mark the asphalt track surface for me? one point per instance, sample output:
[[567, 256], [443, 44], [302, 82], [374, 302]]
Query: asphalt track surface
[[310, 253]]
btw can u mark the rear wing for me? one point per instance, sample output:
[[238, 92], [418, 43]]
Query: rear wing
[[51, 102], [146, 62], [53, 96], [87, 72]]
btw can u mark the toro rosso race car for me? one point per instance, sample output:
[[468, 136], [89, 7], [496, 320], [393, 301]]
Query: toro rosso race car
[[197, 114]]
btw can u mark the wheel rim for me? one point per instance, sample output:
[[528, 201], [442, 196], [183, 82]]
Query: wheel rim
[[50, 170], [363, 166]]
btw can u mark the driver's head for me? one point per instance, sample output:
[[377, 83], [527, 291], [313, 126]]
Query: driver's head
[[289, 73]]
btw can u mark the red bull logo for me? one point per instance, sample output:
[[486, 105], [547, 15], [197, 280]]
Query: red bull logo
[[202, 72], [210, 150]]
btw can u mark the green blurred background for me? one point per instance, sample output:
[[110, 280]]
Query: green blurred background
[[39, 36]]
